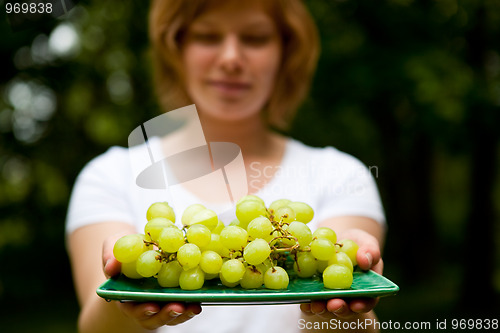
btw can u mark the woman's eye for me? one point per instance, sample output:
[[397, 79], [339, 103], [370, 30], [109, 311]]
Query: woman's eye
[[208, 38], [255, 40]]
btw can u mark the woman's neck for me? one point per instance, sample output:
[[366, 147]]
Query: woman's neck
[[251, 134], [261, 148]]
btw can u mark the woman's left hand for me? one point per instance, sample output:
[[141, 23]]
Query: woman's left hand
[[368, 257]]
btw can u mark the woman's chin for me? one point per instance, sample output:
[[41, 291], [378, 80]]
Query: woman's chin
[[228, 113]]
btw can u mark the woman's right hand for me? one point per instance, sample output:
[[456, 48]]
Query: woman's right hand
[[149, 315]]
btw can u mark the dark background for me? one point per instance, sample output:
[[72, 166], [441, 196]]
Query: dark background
[[412, 88]]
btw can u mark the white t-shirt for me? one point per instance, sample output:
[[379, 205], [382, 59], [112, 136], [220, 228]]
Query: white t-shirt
[[333, 183]]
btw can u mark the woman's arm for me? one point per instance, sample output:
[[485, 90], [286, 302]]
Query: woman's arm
[[91, 255], [369, 235]]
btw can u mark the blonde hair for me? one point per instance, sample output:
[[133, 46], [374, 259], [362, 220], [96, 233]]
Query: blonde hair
[[169, 19]]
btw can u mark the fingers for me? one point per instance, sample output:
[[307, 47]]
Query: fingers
[[343, 309], [379, 267], [339, 307], [306, 309], [362, 305], [152, 315], [324, 308], [314, 308], [191, 311], [111, 266], [368, 254], [139, 311]]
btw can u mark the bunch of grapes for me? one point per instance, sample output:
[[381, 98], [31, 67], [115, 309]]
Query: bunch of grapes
[[259, 248]]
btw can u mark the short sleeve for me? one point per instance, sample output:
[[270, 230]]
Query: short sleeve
[[99, 191], [349, 188]]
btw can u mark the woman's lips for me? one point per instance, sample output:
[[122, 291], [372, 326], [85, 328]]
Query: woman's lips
[[230, 88]]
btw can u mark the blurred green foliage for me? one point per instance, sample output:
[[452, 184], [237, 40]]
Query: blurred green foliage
[[412, 88]]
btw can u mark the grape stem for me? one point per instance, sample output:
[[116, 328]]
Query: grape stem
[[166, 257], [235, 254], [284, 249], [254, 269], [151, 243]]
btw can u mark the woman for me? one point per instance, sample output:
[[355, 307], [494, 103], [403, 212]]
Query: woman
[[246, 65]]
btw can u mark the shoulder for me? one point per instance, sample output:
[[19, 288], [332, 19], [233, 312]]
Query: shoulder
[[340, 183], [114, 155], [327, 158], [110, 164], [119, 162]]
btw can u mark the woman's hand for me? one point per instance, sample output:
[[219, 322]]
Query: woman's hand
[[368, 257], [149, 315]]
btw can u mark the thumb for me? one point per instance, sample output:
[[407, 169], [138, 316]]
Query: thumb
[[111, 266], [368, 256]]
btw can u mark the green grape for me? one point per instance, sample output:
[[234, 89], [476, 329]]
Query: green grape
[[284, 214], [232, 270], [216, 246], [247, 210], [189, 256], [160, 209], [337, 277], [191, 279], [148, 264], [260, 227], [275, 205], [350, 248], [282, 242], [303, 212], [326, 233], [209, 276], [218, 228], [322, 264], [276, 278], [168, 276], [128, 269], [341, 258], [256, 251], [145, 239], [199, 234], [322, 249], [337, 247], [207, 218], [236, 222], [233, 237], [301, 232], [307, 264], [265, 265], [228, 284], [128, 248], [252, 279], [210, 262], [156, 225], [251, 197], [171, 239], [191, 211]]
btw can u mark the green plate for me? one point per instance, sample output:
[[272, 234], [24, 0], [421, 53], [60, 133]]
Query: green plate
[[365, 284]]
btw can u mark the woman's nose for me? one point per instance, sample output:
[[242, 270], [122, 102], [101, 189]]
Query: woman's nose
[[231, 55]]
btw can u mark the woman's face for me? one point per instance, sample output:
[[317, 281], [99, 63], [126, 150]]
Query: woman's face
[[231, 55]]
